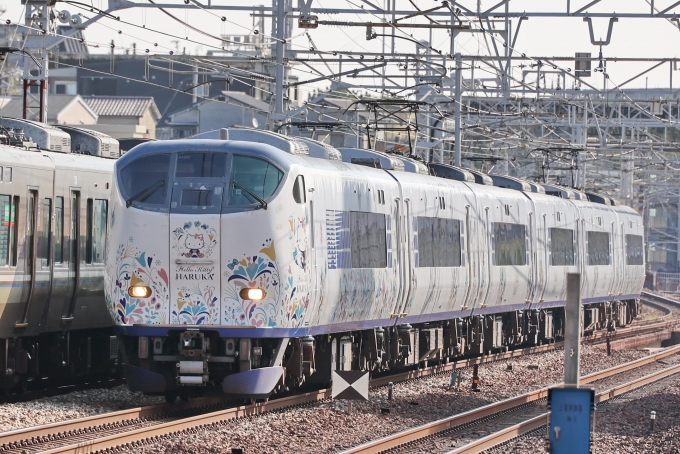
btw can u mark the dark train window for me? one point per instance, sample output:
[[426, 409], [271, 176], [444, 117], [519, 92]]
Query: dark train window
[[5, 229], [201, 165], [145, 181], [88, 231], [561, 247], [14, 231], [47, 233], [99, 230], [31, 220], [197, 197], [257, 175], [598, 248], [438, 242], [299, 189], [634, 250], [58, 229], [368, 240], [510, 244]]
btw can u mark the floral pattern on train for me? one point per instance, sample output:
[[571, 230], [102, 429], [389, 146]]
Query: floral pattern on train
[[287, 295], [194, 240], [135, 267], [196, 306]]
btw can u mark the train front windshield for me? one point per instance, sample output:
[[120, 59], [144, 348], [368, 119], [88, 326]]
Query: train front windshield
[[161, 182]]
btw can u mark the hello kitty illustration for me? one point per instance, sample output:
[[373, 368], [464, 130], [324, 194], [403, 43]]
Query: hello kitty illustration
[[194, 243]]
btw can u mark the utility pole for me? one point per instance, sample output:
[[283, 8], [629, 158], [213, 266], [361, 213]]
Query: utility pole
[[456, 116], [38, 15], [280, 49]]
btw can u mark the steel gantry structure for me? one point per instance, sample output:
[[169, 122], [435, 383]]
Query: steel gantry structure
[[559, 119]]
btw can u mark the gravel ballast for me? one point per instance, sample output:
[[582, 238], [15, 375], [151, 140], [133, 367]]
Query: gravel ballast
[[70, 406], [326, 426], [623, 425]]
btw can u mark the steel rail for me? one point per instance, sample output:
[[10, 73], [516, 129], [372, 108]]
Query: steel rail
[[522, 428], [410, 435], [107, 421]]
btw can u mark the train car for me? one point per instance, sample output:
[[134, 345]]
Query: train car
[[243, 268], [53, 209]]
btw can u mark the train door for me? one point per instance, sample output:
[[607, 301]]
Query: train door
[[471, 261], [29, 256], [73, 257], [313, 262], [195, 252], [404, 235], [399, 252]]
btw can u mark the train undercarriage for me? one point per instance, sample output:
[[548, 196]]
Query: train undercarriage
[[195, 361], [58, 359]]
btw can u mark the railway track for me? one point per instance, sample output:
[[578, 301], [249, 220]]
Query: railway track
[[110, 430], [501, 421], [663, 303]]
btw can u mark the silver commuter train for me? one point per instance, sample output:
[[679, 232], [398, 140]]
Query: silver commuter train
[[244, 268], [53, 216]]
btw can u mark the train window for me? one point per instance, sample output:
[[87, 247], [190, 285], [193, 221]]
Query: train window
[[145, 181], [634, 251], [99, 230], [561, 247], [257, 176], [88, 231], [299, 189], [7, 175], [58, 229], [0, 173], [201, 165], [368, 242], [14, 231], [438, 242], [46, 233], [197, 197], [5, 232], [74, 256], [31, 212], [510, 244], [598, 248]]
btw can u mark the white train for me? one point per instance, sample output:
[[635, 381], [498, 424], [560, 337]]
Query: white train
[[245, 267], [55, 184]]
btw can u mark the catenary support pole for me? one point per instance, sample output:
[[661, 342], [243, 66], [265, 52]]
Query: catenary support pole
[[572, 331], [458, 95], [280, 49]]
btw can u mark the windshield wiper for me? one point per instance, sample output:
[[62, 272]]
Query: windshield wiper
[[143, 195], [263, 204]]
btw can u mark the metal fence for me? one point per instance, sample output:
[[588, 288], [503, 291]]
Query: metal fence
[[667, 282]]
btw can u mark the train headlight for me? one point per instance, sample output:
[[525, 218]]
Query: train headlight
[[252, 294], [139, 291]]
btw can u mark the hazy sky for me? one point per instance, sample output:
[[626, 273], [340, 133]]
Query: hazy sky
[[537, 37]]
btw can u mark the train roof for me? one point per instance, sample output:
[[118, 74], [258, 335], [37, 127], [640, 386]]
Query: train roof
[[276, 155]]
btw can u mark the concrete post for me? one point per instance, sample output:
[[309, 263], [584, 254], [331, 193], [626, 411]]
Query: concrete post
[[572, 330]]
